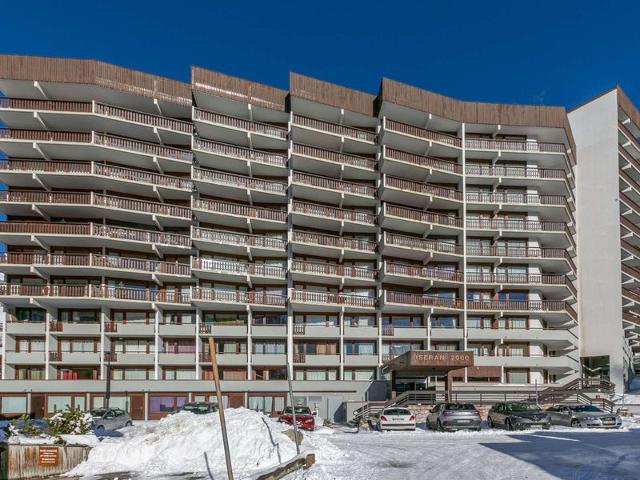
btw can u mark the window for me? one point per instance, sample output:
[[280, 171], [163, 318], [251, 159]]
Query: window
[[360, 320], [359, 374], [29, 373], [186, 345], [316, 319], [517, 376], [315, 375], [179, 318], [130, 373], [402, 320], [269, 373], [481, 349], [179, 374], [269, 318], [316, 348], [30, 344], [445, 346], [267, 404], [13, 405], [479, 322], [77, 374], [444, 322], [30, 314], [160, 405], [134, 345], [78, 345], [269, 347], [79, 316], [360, 348], [133, 316], [224, 318]]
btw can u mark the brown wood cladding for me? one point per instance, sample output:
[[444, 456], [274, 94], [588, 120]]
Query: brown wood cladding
[[628, 107], [73, 70], [216, 83], [332, 94]]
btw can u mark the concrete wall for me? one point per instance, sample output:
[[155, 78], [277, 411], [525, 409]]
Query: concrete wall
[[594, 127]]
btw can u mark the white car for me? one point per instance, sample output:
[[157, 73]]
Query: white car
[[396, 418]]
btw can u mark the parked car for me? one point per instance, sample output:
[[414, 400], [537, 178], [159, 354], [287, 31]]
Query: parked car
[[580, 415], [454, 416], [396, 418], [518, 416], [304, 417], [199, 408], [110, 418]]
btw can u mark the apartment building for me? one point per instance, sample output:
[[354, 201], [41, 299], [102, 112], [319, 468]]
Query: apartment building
[[607, 132], [320, 228]]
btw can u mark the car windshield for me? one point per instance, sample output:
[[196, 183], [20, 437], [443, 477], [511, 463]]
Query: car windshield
[[585, 408], [98, 412], [459, 406], [196, 407], [396, 411], [299, 411], [522, 407]]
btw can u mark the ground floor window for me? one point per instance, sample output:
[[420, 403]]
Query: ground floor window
[[57, 403], [268, 404], [360, 374], [161, 405], [13, 405], [516, 375]]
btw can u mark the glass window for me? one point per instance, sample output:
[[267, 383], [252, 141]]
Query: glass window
[[30, 314], [13, 405], [517, 376], [444, 322], [57, 403]]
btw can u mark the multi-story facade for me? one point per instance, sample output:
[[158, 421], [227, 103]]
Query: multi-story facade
[[607, 132], [319, 228]]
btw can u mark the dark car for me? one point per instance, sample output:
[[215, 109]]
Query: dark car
[[304, 417], [518, 416], [199, 408], [454, 416]]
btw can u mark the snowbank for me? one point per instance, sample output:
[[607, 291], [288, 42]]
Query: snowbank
[[185, 443]]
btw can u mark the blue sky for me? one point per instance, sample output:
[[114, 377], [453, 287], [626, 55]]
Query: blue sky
[[554, 53]]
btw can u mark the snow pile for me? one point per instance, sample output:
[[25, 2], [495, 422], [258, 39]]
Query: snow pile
[[185, 443]]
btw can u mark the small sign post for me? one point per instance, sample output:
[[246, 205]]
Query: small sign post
[[48, 456]]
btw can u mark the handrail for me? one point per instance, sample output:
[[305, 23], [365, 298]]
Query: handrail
[[514, 252], [423, 133], [241, 239], [122, 143], [478, 170], [334, 184], [306, 296], [243, 153], [332, 241], [516, 146], [326, 211], [517, 198], [240, 123], [422, 216], [423, 161], [422, 271], [324, 269], [422, 300], [224, 178], [242, 268], [422, 243], [410, 185], [520, 305], [239, 209], [334, 128], [507, 224], [523, 278], [333, 156], [225, 296]]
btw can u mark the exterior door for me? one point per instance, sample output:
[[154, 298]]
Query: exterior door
[[137, 406], [236, 400], [37, 405]]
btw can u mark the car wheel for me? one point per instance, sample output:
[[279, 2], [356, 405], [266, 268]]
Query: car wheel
[[575, 423], [440, 427], [129, 424], [490, 422], [508, 424], [100, 428]]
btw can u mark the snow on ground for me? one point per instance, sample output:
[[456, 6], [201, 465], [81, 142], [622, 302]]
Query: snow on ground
[[558, 454], [185, 443]]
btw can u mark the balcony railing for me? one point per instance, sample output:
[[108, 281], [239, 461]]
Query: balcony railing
[[330, 269], [146, 148], [238, 268], [422, 300], [224, 178], [514, 146], [516, 172], [98, 109], [334, 184], [524, 225], [519, 278], [517, 198], [324, 298], [95, 199], [422, 133], [422, 161], [514, 252], [332, 241], [424, 188], [93, 168], [422, 216], [422, 243], [239, 209], [240, 123], [93, 291], [416, 271], [333, 156], [334, 128], [242, 153], [95, 260], [225, 296], [334, 213], [522, 305], [240, 239]]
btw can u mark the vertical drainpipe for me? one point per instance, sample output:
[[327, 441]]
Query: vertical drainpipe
[[198, 341], [4, 344], [379, 240], [289, 253], [156, 354], [464, 241], [103, 320], [47, 342], [249, 343]]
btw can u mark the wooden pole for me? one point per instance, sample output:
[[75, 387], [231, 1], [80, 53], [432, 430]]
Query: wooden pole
[[223, 425], [293, 411]]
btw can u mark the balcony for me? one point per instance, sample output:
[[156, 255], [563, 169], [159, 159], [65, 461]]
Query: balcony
[[528, 173], [419, 275], [239, 131], [91, 205], [317, 360], [411, 165], [329, 272], [238, 215], [406, 219], [416, 248], [97, 176], [94, 265], [524, 334], [238, 243], [547, 258], [314, 330], [413, 302], [552, 207], [333, 136], [86, 295], [331, 190], [563, 361], [506, 278], [226, 329], [331, 245], [245, 161], [312, 215], [231, 299], [318, 300], [332, 163], [230, 270], [101, 117], [512, 225], [505, 147], [238, 187], [415, 139], [408, 192], [558, 307], [93, 146]]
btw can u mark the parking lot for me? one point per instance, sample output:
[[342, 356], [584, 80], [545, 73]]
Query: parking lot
[[559, 453]]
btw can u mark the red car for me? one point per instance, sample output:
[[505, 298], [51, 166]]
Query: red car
[[304, 417]]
